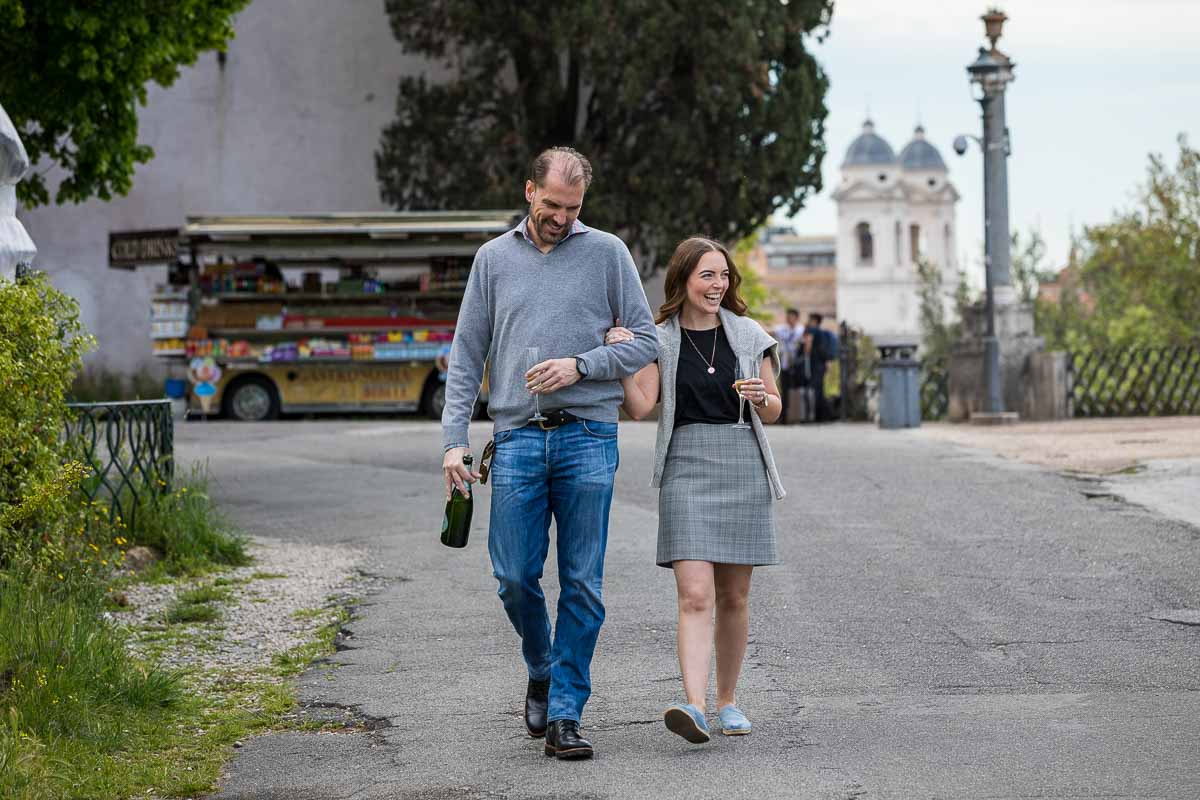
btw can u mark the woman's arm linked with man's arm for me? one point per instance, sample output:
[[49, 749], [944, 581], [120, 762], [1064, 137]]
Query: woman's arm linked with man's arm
[[641, 388]]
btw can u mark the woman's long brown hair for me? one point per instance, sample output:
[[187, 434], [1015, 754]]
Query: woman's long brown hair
[[681, 266]]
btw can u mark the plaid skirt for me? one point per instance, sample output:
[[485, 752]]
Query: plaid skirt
[[715, 503]]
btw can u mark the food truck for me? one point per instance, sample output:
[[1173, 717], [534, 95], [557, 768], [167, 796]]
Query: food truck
[[270, 315]]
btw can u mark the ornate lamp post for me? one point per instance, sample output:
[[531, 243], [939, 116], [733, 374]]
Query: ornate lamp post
[[990, 74]]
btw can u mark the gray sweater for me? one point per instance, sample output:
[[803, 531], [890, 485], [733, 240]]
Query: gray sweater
[[560, 302]]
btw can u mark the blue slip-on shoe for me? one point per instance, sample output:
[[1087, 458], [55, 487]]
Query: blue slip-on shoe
[[733, 721], [687, 721]]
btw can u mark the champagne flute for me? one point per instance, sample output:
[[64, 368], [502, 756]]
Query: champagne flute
[[744, 368], [531, 361]]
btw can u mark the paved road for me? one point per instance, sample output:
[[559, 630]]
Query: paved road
[[946, 624]]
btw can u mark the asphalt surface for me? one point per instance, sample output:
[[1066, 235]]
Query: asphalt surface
[[946, 624]]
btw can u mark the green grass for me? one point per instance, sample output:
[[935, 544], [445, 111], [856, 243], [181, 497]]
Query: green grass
[[267, 576], [83, 719], [196, 604], [191, 612], [185, 526], [309, 613], [108, 726], [68, 688], [204, 594], [292, 662]]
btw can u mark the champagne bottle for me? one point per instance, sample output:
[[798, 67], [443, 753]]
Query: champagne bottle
[[456, 525]]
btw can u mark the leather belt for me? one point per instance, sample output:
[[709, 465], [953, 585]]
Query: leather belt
[[556, 419]]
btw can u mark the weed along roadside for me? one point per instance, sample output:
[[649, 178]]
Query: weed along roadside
[[141, 636], [144, 682]]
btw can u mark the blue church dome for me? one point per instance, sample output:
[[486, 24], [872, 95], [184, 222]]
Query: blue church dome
[[869, 149], [920, 154]]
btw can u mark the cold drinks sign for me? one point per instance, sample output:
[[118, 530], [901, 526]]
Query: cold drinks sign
[[128, 249]]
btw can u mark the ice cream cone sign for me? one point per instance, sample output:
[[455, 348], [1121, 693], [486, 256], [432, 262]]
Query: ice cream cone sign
[[204, 374]]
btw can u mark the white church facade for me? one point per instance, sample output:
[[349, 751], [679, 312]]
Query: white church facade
[[892, 211]]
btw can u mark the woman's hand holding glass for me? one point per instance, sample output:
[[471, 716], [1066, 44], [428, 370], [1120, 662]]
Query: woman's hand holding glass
[[753, 390]]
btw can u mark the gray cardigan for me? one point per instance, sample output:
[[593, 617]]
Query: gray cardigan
[[748, 339]]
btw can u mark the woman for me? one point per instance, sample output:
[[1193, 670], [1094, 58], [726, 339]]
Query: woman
[[716, 480]]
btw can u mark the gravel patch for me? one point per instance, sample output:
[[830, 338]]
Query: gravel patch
[[274, 605]]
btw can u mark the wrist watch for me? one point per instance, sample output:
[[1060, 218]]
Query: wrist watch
[[581, 365]]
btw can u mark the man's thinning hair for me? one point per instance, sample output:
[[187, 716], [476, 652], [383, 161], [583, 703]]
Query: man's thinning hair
[[569, 163]]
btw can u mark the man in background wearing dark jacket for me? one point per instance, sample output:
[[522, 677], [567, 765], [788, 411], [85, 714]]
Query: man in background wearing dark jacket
[[824, 350]]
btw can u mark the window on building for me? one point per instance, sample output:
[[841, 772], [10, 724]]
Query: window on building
[[897, 237], [866, 244], [947, 245], [777, 262], [914, 242]]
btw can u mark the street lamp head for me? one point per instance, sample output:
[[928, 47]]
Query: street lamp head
[[993, 23], [960, 144], [991, 71]]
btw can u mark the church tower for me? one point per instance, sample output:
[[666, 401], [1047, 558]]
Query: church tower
[[892, 211]]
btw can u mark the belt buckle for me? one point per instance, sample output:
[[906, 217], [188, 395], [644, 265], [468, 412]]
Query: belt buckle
[[553, 420]]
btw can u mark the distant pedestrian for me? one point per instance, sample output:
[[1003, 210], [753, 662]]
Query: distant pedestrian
[[788, 334], [823, 349]]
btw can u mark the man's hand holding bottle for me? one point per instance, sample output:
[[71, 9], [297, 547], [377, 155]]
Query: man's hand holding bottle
[[457, 474]]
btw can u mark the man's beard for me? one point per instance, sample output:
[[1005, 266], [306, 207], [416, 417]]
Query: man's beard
[[545, 232]]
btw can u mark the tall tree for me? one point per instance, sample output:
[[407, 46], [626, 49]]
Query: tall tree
[[1029, 269], [1137, 281], [75, 72], [699, 117]]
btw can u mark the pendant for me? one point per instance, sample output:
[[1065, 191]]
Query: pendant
[[711, 370]]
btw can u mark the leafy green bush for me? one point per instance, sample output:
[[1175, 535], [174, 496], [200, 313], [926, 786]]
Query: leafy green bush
[[1132, 282], [41, 348]]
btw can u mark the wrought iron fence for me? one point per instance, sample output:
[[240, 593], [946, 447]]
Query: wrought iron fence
[[1150, 381], [130, 447], [935, 389]]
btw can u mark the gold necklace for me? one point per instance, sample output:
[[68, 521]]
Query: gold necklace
[[709, 361]]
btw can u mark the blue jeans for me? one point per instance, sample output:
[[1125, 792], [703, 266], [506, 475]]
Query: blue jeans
[[568, 473]]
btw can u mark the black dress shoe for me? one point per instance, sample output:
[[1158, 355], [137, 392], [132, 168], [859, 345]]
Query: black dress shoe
[[563, 740], [537, 697]]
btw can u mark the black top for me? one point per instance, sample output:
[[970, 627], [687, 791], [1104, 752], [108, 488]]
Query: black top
[[700, 397]]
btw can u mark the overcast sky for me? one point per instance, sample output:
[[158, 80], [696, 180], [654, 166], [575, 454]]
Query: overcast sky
[[1099, 85]]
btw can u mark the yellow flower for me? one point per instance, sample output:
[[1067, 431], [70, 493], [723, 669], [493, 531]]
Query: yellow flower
[[60, 577], [93, 546], [103, 562]]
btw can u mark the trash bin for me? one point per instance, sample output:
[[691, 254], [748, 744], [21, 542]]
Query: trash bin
[[176, 390], [899, 387]]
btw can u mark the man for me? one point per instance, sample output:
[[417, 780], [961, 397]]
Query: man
[[824, 349], [788, 334], [549, 289]]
